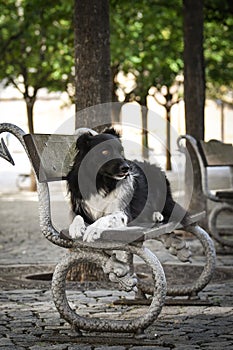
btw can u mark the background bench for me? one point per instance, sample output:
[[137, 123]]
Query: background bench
[[215, 154]]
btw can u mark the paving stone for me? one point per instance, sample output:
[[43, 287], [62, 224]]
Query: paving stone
[[151, 347], [5, 342], [111, 348], [98, 293], [106, 300], [14, 347], [217, 345], [80, 347], [226, 336], [51, 347], [3, 329], [190, 347], [84, 300]]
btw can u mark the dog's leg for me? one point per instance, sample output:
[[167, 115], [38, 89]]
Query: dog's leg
[[157, 216], [77, 228], [93, 232]]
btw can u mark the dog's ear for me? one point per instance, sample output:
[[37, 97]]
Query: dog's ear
[[112, 131], [83, 141]]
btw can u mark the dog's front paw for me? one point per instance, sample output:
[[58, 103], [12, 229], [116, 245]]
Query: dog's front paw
[[118, 219], [157, 217], [77, 228], [93, 232]]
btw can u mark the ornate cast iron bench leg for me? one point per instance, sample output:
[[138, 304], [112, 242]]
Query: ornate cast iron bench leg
[[213, 216], [208, 269], [137, 324]]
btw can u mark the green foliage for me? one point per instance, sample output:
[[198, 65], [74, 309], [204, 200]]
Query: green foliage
[[36, 46], [218, 32], [146, 39], [37, 43]]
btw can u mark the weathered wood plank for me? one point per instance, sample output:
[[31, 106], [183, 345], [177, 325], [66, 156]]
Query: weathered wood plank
[[225, 194], [51, 155], [216, 153]]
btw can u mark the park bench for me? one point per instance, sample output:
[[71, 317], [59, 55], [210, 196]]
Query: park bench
[[51, 157], [214, 154]]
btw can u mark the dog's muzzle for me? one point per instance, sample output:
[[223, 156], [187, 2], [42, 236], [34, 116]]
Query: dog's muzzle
[[123, 171]]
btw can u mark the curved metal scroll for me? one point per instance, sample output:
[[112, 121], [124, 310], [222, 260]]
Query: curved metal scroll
[[43, 192], [204, 177], [99, 324], [213, 223], [208, 268]]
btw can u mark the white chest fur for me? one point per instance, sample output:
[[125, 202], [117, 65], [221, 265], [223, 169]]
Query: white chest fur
[[100, 204]]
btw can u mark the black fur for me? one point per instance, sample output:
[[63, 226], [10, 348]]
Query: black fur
[[101, 166]]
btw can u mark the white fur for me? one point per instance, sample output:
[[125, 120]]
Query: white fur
[[106, 210], [93, 232], [81, 131], [157, 216], [101, 204], [77, 228]]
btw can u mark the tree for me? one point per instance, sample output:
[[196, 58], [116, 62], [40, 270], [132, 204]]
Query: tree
[[92, 62], [218, 35], [145, 43], [35, 50], [194, 90], [194, 74], [214, 19], [92, 82], [146, 39], [170, 96]]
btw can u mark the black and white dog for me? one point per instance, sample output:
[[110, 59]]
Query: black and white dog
[[109, 191]]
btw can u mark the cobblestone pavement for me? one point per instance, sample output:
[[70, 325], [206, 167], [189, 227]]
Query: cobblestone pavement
[[29, 319]]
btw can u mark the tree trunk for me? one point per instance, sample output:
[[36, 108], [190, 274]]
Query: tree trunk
[[145, 150], [194, 73], [92, 63], [92, 82], [116, 105], [194, 90], [168, 139], [30, 106], [144, 115]]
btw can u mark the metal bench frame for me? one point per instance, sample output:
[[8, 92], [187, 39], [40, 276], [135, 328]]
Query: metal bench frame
[[213, 154], [98, 252]]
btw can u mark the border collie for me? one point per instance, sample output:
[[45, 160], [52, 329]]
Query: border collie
[[110, 191]]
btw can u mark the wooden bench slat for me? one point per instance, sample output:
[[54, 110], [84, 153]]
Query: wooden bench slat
[[216, 153], [51, 155], [139, 233], [227, 194]]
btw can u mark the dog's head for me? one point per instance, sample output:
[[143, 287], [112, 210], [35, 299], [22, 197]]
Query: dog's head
[[105, 152]]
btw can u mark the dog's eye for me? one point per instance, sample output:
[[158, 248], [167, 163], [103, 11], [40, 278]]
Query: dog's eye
[[105, 152]]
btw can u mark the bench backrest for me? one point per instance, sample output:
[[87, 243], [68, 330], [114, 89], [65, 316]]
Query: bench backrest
[[216, 153], [51, 155]]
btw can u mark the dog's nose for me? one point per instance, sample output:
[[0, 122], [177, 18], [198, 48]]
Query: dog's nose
[[124, 168]]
